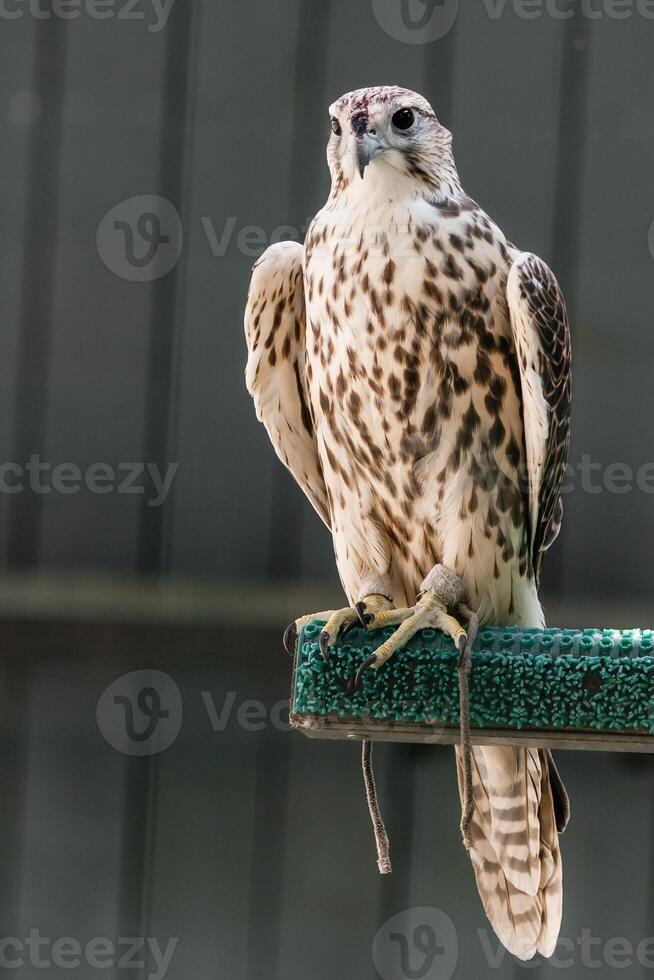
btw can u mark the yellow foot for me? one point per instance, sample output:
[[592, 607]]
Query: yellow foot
[[337, 622], [429, 612]]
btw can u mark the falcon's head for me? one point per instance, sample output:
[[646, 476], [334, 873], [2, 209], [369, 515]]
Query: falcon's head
[[374, 129]]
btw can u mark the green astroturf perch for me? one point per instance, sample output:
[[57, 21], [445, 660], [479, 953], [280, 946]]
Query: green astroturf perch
[[577, 688]]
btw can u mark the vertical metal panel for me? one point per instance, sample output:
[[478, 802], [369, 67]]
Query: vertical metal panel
[[439, 66], [212, 807], [70, 851], [164, 342], [137, 843], [569, 161], [505, 117], [268, 856], [331, 865], [594, 863], [612, 410], [15, 685], [398, 798], [37, 280], [19, 113], [241, 168], [441, 875], [102, 322]]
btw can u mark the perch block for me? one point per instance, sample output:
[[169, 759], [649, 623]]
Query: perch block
[[556, 688]]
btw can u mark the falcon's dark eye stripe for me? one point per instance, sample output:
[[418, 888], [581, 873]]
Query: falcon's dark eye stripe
[[403, 119], [336, 126]]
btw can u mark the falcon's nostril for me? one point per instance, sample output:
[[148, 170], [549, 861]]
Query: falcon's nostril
[[359, 123]]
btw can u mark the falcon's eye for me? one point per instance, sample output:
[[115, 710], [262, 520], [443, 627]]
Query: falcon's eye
[[336, 126], [403, 119]]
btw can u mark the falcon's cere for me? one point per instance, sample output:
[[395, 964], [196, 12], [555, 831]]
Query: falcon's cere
[[412, 369]]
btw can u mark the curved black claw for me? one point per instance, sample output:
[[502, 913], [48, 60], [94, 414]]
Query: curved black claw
[[348, 627], [364, 617], [290, 638], [354, 684], [323, 643]]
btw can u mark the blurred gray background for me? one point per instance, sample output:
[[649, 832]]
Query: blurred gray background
[[122, 348]]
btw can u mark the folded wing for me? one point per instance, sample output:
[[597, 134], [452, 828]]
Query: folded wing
[[275, 328], [542, 338]]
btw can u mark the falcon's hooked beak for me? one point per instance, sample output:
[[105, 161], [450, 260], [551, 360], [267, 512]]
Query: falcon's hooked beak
[[367, 144], [366, 148]]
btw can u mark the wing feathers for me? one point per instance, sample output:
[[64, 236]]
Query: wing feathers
[[275, 325], [542, 337]]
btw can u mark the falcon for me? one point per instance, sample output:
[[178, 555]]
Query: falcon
[[412, 369]]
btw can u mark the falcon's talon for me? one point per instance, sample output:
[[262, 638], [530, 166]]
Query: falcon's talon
[[347, 628], [364, 617], [370, 661], [334, 622], [323, 643], [372, 608], [429, 612], [289, 638]]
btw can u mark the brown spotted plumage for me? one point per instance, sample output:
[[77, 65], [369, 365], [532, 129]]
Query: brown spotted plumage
[[412, 368]]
